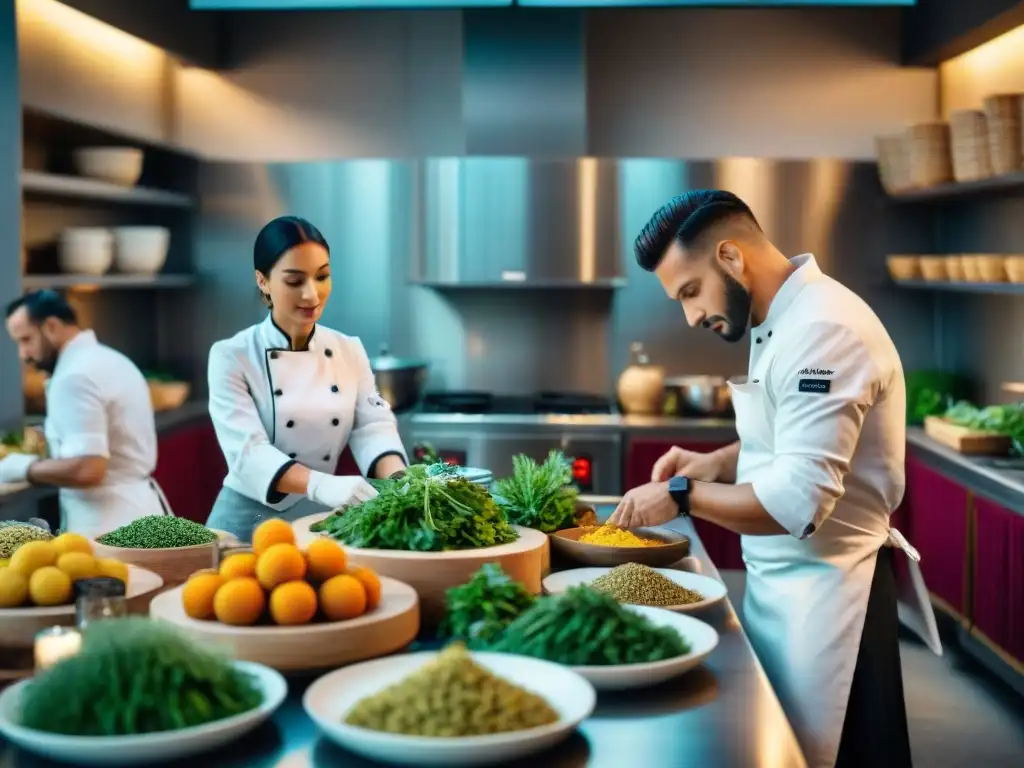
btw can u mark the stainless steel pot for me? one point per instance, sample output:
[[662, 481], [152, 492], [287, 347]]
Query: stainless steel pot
[[698, 395], [400, 381]]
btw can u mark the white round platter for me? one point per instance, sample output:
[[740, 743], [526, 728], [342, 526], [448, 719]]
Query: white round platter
[[146, 748], [712, 590], [329, 699]]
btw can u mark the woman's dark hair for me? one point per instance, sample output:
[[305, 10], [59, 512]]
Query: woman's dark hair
[[281, 235]]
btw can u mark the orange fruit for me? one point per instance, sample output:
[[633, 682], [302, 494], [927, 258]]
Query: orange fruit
[[271, 532], [342, 597], [293, 602], [280, 563], [238, 566], [201, 571], [370, 581], [325, 559], [239, 602], [198, 593]]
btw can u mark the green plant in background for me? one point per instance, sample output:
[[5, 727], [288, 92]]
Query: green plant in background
[[1007, 420], [479, 610], [539, 496], [930, 393]]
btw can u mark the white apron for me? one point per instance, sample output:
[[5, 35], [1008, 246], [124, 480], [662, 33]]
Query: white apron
[[805, 600]]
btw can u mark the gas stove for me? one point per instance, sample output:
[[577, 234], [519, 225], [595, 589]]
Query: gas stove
[[542, 403]]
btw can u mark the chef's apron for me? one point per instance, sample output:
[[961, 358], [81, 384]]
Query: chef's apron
[[239, 515], [806, 599]]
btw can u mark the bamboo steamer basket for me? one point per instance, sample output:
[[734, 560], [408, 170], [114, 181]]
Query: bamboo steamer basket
[[168, 395], [1003, 116], [1015, 268], [933, 268], [930, 159], [968, 135], [955, 268], [903, 267], [893, 162], [173, 564], [972, 274], [991, 267], [432, 573]]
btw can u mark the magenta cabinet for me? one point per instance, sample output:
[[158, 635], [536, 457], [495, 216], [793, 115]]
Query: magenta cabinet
[[934, 518], [190, 469], [723, 547], [998, 586]]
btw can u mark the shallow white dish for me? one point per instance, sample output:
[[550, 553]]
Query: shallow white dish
[[144, 749], [329, 699], [712, 589], [702, 639]]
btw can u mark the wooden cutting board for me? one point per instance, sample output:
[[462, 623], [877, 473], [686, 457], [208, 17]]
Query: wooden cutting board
[[970, 442]]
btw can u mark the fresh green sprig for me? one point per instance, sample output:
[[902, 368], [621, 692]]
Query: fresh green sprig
[[539, 496], [479, 610], [158, 532]]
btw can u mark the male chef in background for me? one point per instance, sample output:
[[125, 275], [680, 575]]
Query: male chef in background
[[811, 482], [100, 433]]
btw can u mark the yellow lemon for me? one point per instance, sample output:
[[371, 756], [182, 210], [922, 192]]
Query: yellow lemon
[[78, 565], [72, 542], [49, 585], [111, 568], [13, 588], [33, 555], [4, 563]]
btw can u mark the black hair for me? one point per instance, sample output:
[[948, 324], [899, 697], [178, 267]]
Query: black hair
[[281, 235], [685, 219], [42, 305]]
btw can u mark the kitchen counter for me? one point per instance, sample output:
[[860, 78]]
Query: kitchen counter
[[582, 422], [723, 713]]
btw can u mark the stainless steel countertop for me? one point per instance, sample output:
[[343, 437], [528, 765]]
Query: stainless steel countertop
[[723, 714]]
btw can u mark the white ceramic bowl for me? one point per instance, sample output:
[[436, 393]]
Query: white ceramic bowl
[[141, 250], [86, 251], [118, 165], [143, 749], [329, 698], [711, 590]]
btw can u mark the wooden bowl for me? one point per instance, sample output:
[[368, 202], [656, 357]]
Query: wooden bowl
[[676, 546], [174, 565], [168, 395], [431, 573], [19, 626], [388, 628], [1015, 269], [903, 267], [933, 268]]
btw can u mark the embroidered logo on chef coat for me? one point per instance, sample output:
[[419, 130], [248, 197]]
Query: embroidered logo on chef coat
[[821, 386], [815, 372]]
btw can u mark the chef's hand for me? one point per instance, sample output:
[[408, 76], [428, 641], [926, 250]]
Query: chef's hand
[[335, 492], [14, 467], [645, 505], [696, 466]]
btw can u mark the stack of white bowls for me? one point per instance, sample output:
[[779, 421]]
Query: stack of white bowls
[[132, 250]]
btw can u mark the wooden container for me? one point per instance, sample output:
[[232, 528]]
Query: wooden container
[[955, 268], [892, 153], [168, 395], [964, 440], [19, 626], [1003, 116], [972, 274], [388, 628], [674, 548], [933, 268], [930, 159], [173, 565], [991, 268], [968, 135], [903, 267], [1015, 269], [431, 573]]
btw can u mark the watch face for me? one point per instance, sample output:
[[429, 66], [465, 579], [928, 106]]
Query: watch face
[[677, 484]]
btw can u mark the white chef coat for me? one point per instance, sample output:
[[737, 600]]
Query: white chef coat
[[821, 419], [98, 404], [272, 406]]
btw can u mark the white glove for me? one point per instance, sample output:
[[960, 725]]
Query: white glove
[[334, 492], [14, 467]]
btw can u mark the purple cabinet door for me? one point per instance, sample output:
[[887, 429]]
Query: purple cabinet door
[[998, 595]]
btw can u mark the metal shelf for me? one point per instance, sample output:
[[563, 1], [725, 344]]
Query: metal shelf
[[940, 285], [604, 283], [53, 185], [107, 282], [1011, 182]]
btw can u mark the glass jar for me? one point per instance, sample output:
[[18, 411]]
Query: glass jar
[[99, 598]]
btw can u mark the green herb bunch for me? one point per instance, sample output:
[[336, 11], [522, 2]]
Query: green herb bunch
[[132, 676], [584, 627], [428, 509], [1007, 420], [159, 532], [479, 610], [539, 496]]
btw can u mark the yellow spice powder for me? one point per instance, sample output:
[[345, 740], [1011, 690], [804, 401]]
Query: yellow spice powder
[[611, 536]]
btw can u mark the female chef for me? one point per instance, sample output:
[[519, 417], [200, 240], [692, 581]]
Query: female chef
[[288, 395]]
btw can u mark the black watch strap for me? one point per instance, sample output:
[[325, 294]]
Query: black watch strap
[[679, 490]]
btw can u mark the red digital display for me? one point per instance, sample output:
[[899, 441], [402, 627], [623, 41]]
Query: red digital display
[[581, 471]]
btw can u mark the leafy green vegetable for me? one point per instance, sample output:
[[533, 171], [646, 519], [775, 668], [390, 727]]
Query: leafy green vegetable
[[428, 509], [583, 627], [930, 393], [480, 609], [539, 496], [1005, 420], [135, 675]]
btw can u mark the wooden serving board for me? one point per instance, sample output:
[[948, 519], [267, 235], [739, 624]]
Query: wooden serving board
[[388, 628], [972, 442], [431, 573]]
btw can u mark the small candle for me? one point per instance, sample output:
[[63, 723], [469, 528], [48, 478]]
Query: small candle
[[54, 644]]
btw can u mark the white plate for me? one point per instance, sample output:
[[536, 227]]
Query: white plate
[[328, 700], [142, 749], [702, 639], [712, 589]]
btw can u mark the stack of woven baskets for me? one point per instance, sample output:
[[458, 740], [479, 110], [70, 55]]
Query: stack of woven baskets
[[973, 145]]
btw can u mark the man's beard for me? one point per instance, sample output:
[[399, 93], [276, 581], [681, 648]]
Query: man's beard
[[737, 310], [47, 361]]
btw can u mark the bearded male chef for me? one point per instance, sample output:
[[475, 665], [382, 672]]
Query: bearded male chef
[[810, 484], [99, 427]]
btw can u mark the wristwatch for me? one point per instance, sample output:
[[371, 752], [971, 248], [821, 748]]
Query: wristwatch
[[679, 490]]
